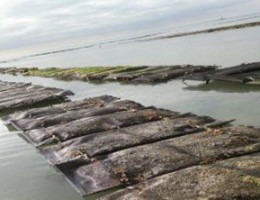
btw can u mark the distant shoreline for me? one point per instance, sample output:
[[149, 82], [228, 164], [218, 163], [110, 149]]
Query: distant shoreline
[[210, 30], [142, 38]]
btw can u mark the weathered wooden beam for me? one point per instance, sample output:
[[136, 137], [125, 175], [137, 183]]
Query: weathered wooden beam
[[31, 101], [140, 163], [95, 124], [4, 86], [171, 73], [20, 95], [95, 102], [243, 73], [27, 94], [236, 178], [243, 68], [19, 91], [114, 140], [81, 112], [103, 142], [132, 75], [128, 76]]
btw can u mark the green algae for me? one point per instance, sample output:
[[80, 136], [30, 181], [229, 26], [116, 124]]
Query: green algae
[[122, 74], [252, 179]]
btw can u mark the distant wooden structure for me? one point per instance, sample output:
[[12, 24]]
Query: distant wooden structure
[[244, 73], [128, 75]]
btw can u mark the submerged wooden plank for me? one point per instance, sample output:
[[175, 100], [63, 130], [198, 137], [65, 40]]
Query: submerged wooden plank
[[11, 85], [244, 73], [7, 91], [95, 77], [142, 74], [243, 68], [129, 76], [82, 148], [236, 178], [26, 91], [144, 162], [171, 73], [95, 124], [80, 112], [26, 95], [31, 100], [151, 74], [23, 94], [158, 74], [94, 102], [102, 142]]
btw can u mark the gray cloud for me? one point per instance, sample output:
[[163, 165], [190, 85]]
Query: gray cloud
[[27, 22]]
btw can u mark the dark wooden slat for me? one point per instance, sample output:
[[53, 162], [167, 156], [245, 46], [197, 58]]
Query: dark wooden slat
[[96, 124], [144, 162], [114, 140], [81, 112], [61, 108], [236, 178]]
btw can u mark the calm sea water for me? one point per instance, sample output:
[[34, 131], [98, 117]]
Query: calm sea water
[[25, 175], [225, 48]]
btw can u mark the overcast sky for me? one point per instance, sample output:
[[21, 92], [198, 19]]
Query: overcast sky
[[32, 22]]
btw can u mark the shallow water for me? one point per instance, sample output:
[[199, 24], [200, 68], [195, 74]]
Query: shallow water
[[25, 175], [225, 48], [219, 100]]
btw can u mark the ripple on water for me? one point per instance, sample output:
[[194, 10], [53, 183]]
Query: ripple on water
[[25, 175]]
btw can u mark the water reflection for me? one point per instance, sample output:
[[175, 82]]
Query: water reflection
[[25, 175], [225, 87]]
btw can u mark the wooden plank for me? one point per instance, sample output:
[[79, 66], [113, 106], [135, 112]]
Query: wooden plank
[[102, 142], [81, 112], [95, 124], [132, 75], [19, 95], [11, 85], [140, 163], [243, 68], [128, 76], [236, 178], [94, 102], [27, 94], [114, 140], [244, 73], [171, 73]]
